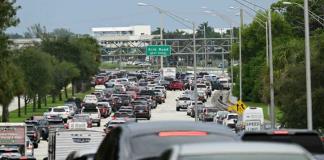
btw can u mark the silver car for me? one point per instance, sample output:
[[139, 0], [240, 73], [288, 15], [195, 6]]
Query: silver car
[[237, 150]]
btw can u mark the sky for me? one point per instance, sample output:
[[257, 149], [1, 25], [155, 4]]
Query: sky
[[79, 16]]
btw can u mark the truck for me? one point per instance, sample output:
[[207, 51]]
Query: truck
[[14, 135], [253, 119], [61, 142], [169, 72]]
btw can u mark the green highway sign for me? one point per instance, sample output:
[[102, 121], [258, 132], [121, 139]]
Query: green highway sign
[[158, 50]]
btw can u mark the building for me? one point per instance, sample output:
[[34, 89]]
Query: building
[[24, 42], [130, 33]]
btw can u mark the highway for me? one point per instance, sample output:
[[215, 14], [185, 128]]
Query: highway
[[164, 112]]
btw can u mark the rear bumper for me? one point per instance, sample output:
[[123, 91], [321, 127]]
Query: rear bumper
[[95, 120]]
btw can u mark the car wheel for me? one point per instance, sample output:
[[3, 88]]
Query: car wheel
[[35, 145], [178, 109], [148, 118], [98, 124]]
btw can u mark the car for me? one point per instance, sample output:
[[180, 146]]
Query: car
[[310, 140], [176, 85], [90, 99], [105, 109], [33, 134], [191, 106], [59, 111], [162, 88], [225, 83], [43, 128], [94, 113], [133, 141], [183, 102], [80, 121], [220, 116], [100, 80], [142, 111], [209, 113], [236, 150], [152, 104], [230, 120], [160, 97], [202, 96]]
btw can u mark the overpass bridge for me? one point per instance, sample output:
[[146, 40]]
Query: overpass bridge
[[209, 49]]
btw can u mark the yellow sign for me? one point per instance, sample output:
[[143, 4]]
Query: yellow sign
[[239, 107]]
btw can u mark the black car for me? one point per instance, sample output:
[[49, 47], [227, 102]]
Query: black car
[[148, 140], [43, 125], [33, 134]]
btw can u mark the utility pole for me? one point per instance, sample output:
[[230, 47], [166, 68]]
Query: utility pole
[[308, 69]]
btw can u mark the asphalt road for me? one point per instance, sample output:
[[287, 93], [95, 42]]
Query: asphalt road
[[164, 112]]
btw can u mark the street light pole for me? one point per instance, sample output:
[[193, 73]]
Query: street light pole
[[308, 69], [240, 57], [272, 107], [161, 38], [267, 43], [205, 47]]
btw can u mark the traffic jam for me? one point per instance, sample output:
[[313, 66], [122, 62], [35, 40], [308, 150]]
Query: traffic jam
[[115, 122]]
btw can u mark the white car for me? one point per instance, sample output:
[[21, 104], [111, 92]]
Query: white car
[[183, 102], [230, 120], [192, 105], [225, 83], [90, 99], [100, 87], [59, 111]]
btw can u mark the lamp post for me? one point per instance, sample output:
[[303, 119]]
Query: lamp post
[[193, 24], [161, 30]]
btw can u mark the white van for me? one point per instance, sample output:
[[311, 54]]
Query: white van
[[253, 119], [225, 83]]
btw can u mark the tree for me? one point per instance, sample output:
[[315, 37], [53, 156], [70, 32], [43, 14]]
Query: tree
[[8, 78], [37, 67]]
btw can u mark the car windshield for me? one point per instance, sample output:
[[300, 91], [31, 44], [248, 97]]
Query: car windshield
[[250, 156]]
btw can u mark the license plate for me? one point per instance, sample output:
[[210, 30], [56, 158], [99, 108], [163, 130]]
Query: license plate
[[141, 111]]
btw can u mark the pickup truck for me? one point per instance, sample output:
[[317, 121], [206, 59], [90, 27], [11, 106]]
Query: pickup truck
[[93, 112], [183, 102]]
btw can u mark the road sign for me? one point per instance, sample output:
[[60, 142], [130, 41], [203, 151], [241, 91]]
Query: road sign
[[158, 50], [239, 107]]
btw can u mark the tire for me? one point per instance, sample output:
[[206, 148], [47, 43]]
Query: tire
[[98, 124], [148, 118], [35, 145], [178, 109]]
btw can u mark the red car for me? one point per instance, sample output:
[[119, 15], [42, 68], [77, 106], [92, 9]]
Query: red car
[[176, 85], [100, 80]]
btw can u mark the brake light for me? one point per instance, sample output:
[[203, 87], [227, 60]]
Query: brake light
[[182, 133], [280, 132], [113, 117], [35, 134], [23, 158]]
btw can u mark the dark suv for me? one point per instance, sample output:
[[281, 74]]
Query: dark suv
[[142, 111], [33, 134]]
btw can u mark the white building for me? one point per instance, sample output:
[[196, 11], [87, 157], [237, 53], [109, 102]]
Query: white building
[[138, 32], [24, 42]]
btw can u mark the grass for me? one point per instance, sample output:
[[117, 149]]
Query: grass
[[13, 115], [265, 108]]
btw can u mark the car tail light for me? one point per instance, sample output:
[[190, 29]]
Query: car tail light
[[280, 132], [35, 135], [23, 158], [182, 133], [113, 117]]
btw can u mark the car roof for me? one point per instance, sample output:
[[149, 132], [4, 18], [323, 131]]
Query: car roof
[[240, 148]]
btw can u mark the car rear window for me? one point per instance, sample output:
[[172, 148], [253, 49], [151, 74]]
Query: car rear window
[[184, 98], [58, 110], [155, 144], [140, 107], [89, 110], [309, 141]]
